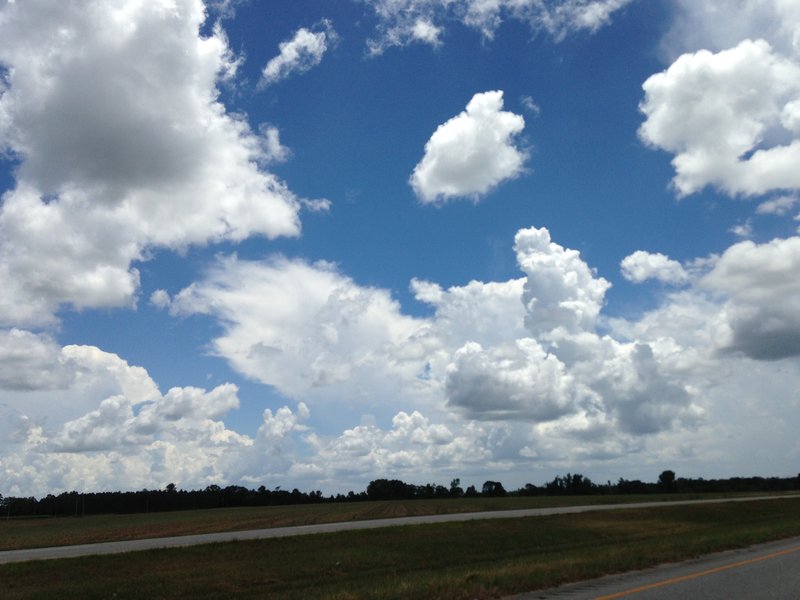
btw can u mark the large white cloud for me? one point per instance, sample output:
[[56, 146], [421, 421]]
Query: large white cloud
[[518, 377], [117, 431], [523, 358], [112, 110], [80, 418], [561, 290], [523, 349], [300, 326], [471, 153], [722, 24], [521, 381], [489, 313], [731, 337], [728, 106], [619, 386], [53, 384], [503, 380], [183, 414], [760, 284], [730, 118], [412, 442], [402, 22], [104, 425], [30, 362]]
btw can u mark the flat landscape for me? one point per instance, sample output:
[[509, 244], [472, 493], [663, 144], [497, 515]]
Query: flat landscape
[[43, 532], [476, 559]]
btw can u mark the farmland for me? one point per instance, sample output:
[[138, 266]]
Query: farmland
[[474, 559]]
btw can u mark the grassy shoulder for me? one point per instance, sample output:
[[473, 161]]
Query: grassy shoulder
[[60, 531], [475, 559]]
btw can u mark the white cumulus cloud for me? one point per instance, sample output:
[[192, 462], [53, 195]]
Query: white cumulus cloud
[[113, 115], [488, 313], [722, 24], [76, 417], [300, 326], [561, 290], [642, 265], [503, 377], [472, 153], [727, 117], [519, 381], [761, 288], [412, 443], [31, 362], [524, 349], [112, 110]]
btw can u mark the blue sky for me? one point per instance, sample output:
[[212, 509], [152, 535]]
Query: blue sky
[[312, 244]]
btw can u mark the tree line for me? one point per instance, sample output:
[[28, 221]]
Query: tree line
[[170, 499]]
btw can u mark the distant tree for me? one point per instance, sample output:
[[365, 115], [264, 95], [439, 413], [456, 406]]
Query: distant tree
[[493, 489], [171, 488], [578, 484], [529, 490], [427, 491], [441, 492], [456, 491], [571, 485], [471, 492], [635, 486], [391, 489], [557, 486], [666, 481]]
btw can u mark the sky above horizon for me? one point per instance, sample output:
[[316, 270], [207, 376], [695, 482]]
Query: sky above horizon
[[311, 244]]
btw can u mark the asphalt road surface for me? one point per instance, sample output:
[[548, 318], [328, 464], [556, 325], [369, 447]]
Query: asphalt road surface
[[767, 571], [9, 556]]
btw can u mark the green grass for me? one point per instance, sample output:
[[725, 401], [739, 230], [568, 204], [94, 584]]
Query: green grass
[[475, 559]]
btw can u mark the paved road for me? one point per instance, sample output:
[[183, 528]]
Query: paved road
[[764, 572], [9, 556]]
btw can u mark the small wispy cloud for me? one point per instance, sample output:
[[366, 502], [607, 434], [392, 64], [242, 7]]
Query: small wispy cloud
[[299, 54]]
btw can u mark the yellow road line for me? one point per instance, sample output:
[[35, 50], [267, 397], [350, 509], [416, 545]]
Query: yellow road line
[[696, 575]]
